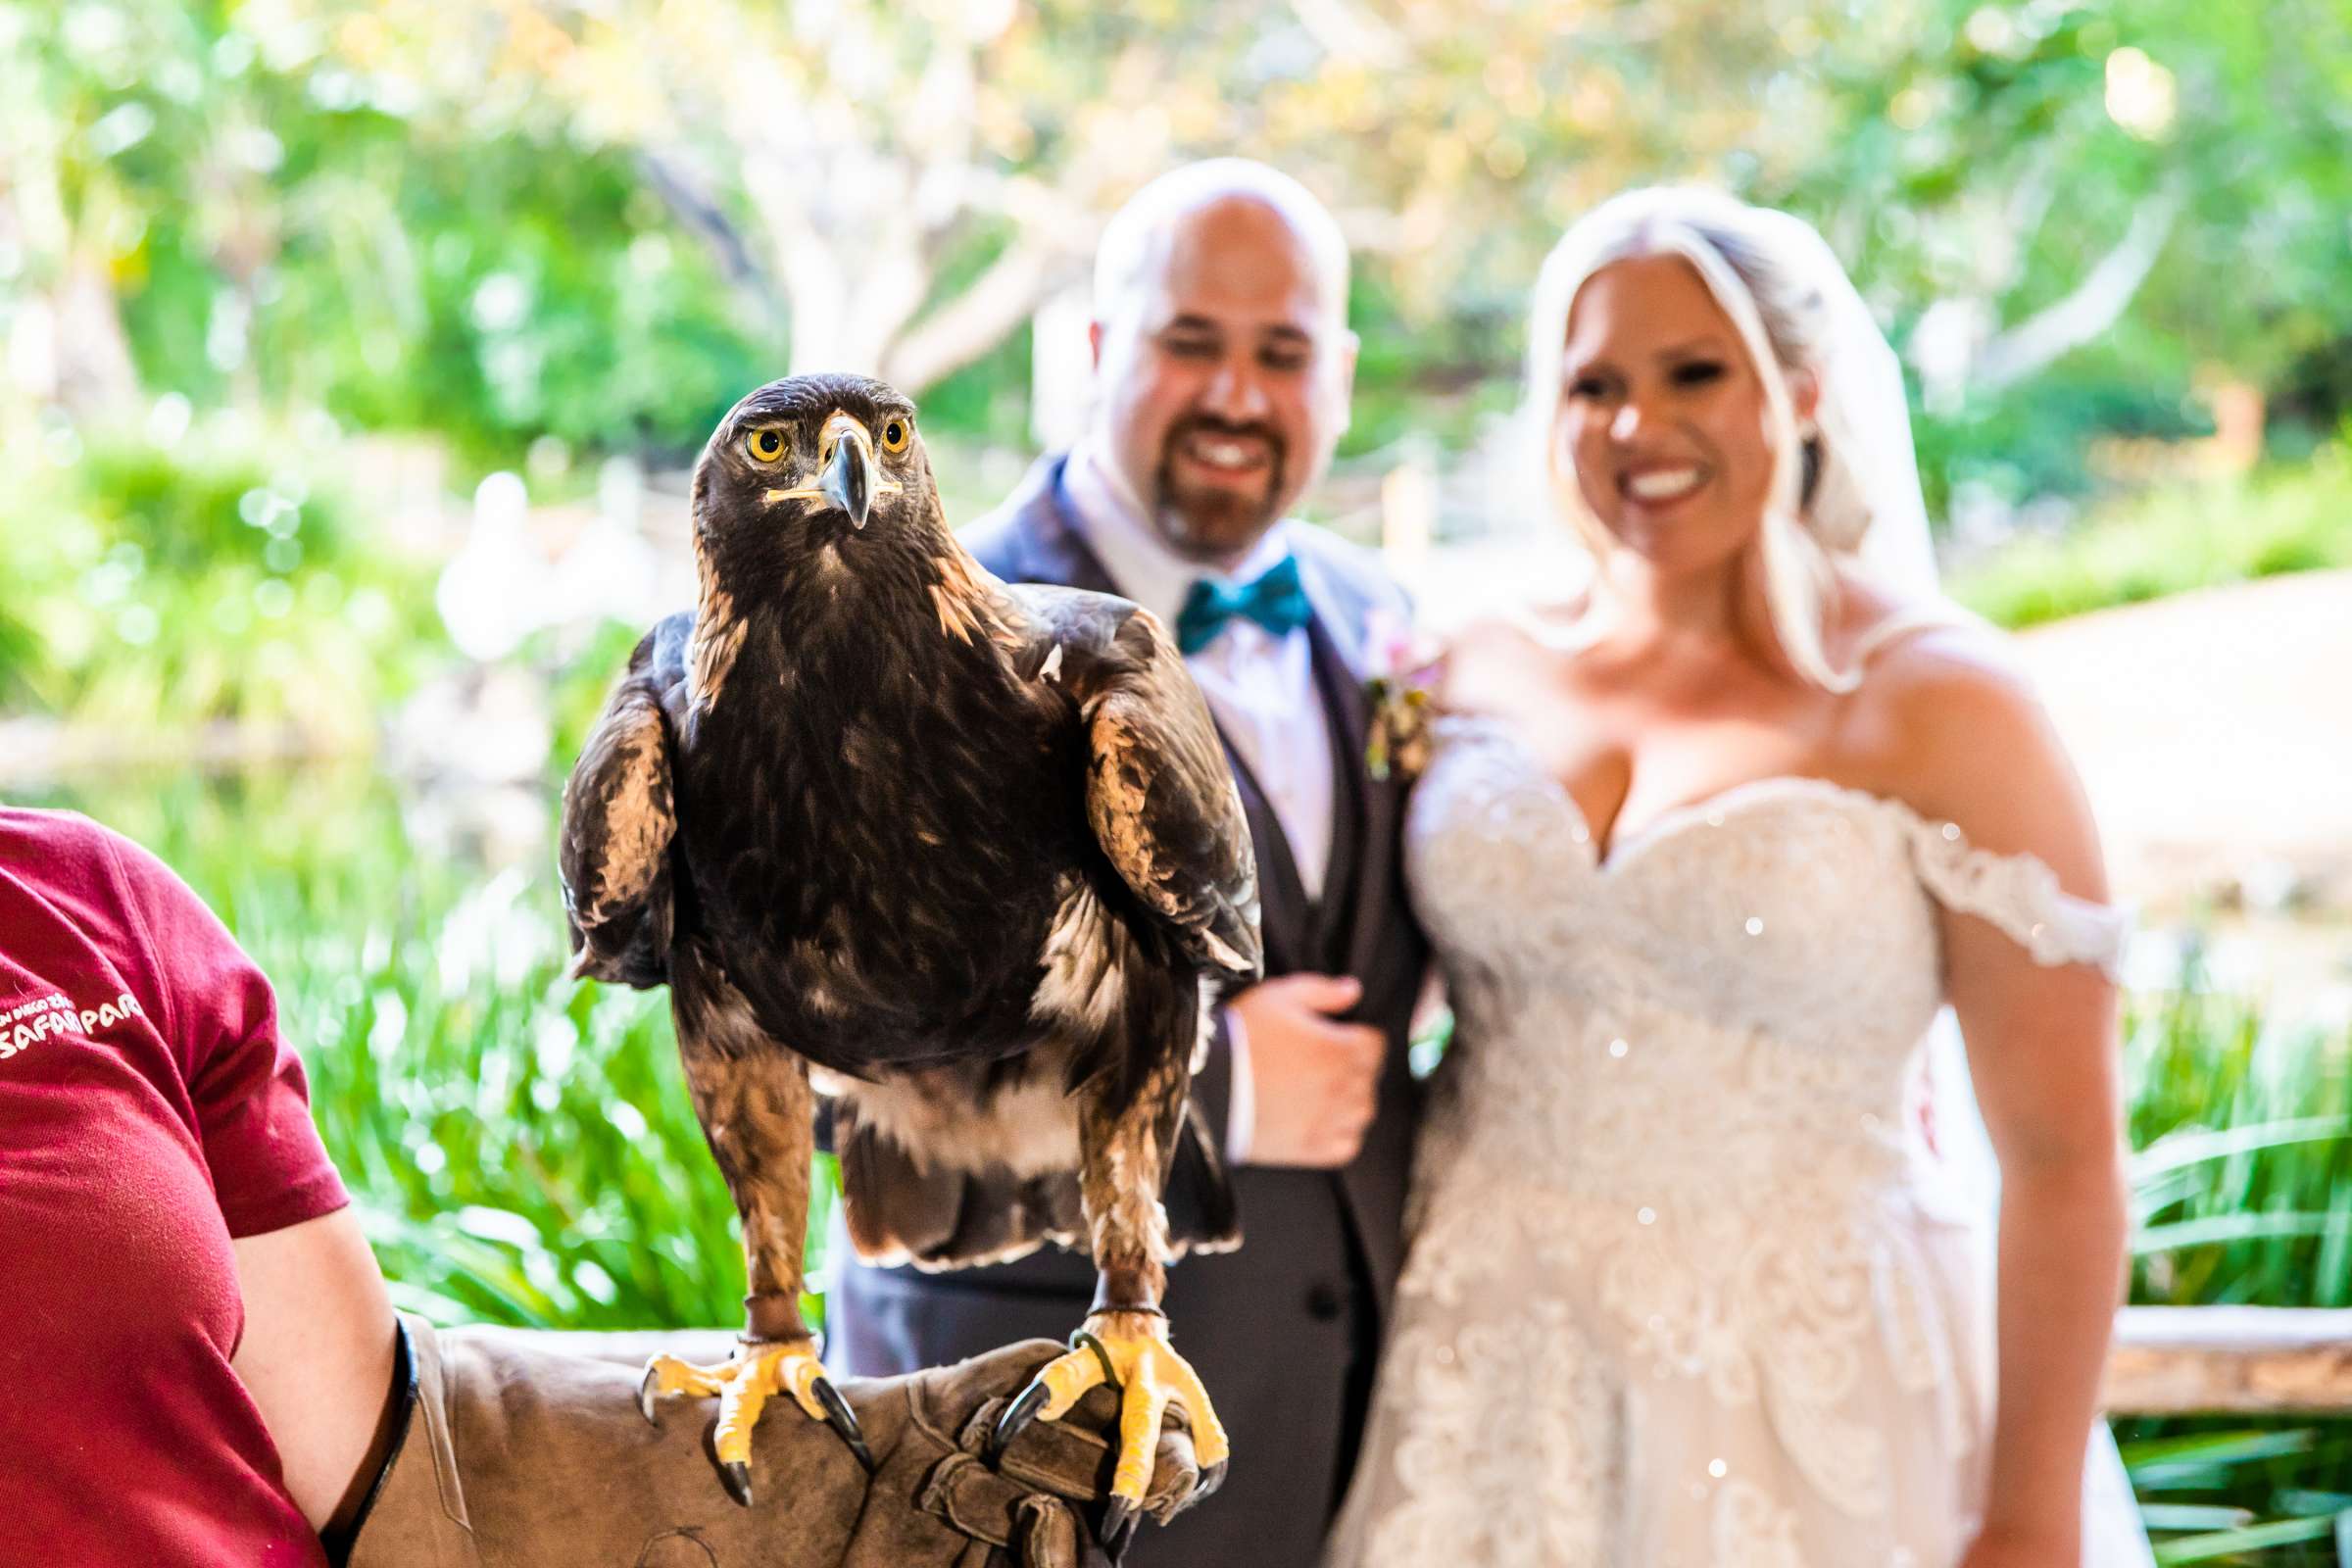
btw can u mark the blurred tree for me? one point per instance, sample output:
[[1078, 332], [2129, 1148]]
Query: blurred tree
[[73, 199], [897, 186], [2031, 170], [887, 188], [2079, 213], [502, 218]]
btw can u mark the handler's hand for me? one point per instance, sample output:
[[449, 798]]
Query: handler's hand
[[1315, 1080]]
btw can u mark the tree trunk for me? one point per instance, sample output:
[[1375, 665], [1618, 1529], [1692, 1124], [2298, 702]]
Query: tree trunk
[[92, 370], [2094, 305]]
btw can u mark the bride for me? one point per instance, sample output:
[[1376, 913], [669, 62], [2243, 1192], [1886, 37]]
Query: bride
[[1704, 856]]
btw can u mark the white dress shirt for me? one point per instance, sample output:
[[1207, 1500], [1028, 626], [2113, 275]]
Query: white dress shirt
[[1260, 685]]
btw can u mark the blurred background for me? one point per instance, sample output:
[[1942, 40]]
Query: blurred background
[[352, 361]]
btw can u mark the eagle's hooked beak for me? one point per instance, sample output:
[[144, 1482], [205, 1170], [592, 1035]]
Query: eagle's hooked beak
[[848, 480], [848, 476]]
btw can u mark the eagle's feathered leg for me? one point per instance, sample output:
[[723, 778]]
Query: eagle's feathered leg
[[757, 1111], [1123, 1155]]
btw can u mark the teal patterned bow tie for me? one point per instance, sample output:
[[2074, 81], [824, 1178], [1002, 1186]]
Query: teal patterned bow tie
[[1275, 601]]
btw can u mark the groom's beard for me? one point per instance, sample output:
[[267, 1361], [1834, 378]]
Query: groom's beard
[[1214, 523]]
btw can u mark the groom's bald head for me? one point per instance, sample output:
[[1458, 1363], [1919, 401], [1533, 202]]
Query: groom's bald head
[[1222, 353], [1135, 241]]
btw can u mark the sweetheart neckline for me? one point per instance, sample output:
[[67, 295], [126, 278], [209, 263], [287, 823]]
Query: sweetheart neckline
[[2017, 893], [1623, 848]]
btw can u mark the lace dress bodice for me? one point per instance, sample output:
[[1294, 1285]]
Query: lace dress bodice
[[1740, 988], [1672, 1179]]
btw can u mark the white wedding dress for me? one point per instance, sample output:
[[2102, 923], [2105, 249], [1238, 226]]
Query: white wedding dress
[[1686, 1285]]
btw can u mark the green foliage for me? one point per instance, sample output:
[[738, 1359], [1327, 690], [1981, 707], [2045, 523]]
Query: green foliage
[[520, 1145], [2242, 1190], [1427, 377], [280, 231], [20, 651], [163, 586], [582, 677], [496, 292], [2033, 440], [2241, 1193], [987, 401], [2169, 540]]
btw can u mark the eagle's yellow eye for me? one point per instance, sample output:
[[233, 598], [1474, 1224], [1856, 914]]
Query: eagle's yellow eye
[[895, 434], [764, 446]]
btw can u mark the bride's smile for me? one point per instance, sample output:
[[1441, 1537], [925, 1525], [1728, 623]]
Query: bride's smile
[[1662, 419], [1660, 487]]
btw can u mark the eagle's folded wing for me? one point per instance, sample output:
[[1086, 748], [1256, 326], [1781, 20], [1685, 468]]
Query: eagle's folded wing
[[618, 817], [1160, 797]]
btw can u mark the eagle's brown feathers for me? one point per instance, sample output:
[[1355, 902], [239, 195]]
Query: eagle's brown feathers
[[972, 850]]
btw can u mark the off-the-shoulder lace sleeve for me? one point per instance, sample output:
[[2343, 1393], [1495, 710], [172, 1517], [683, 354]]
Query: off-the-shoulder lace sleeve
[[2020, 894]]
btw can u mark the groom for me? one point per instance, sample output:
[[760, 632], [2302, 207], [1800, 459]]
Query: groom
[[1223, 369]]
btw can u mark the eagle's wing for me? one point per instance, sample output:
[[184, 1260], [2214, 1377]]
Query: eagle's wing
[[619, 814], [1159, 794]]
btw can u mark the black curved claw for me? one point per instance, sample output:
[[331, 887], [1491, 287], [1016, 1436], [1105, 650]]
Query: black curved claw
[[1118, 1519], [644, 1393], [738, 1476], [1017, 1418], [1210, 1480], [843, 1421]]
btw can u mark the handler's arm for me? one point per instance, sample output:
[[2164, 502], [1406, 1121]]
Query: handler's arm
[[318, 1356], [2043, 1050]]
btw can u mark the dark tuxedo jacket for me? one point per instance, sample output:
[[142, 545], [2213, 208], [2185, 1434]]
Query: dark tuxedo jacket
[[1283, 1331]]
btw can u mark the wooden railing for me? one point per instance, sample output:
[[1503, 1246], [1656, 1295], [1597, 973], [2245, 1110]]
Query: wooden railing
[[2182, 1361]]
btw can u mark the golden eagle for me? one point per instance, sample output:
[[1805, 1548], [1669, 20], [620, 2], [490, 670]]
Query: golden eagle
[[965, 858]]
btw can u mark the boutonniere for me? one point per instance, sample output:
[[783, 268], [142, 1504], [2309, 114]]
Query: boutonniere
[[1401, 691]]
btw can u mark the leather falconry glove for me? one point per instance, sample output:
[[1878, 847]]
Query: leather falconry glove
[[520, 1452]]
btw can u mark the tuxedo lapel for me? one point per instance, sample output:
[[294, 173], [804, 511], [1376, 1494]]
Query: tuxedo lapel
[[1357, 922], [1052, 550], [1358, 902], [1343, 721], [1376, 882], [1340, 611]]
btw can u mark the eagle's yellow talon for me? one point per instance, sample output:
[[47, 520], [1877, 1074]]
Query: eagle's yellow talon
[[1211, 1444], [743, 1386], [1067, 1382], [1149, 1376], [800, 1378]]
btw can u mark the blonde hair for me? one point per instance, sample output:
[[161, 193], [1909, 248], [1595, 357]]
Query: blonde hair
[[1778, 314]]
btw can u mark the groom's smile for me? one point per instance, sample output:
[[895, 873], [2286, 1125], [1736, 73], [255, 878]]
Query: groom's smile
[[1221, 456], [1219, 481]]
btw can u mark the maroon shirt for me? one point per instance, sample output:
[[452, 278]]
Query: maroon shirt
[[148, 1114]]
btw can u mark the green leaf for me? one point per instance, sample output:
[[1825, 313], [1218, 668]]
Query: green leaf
[[2178, 1151], [2216, 1448], [2253, 1537]]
